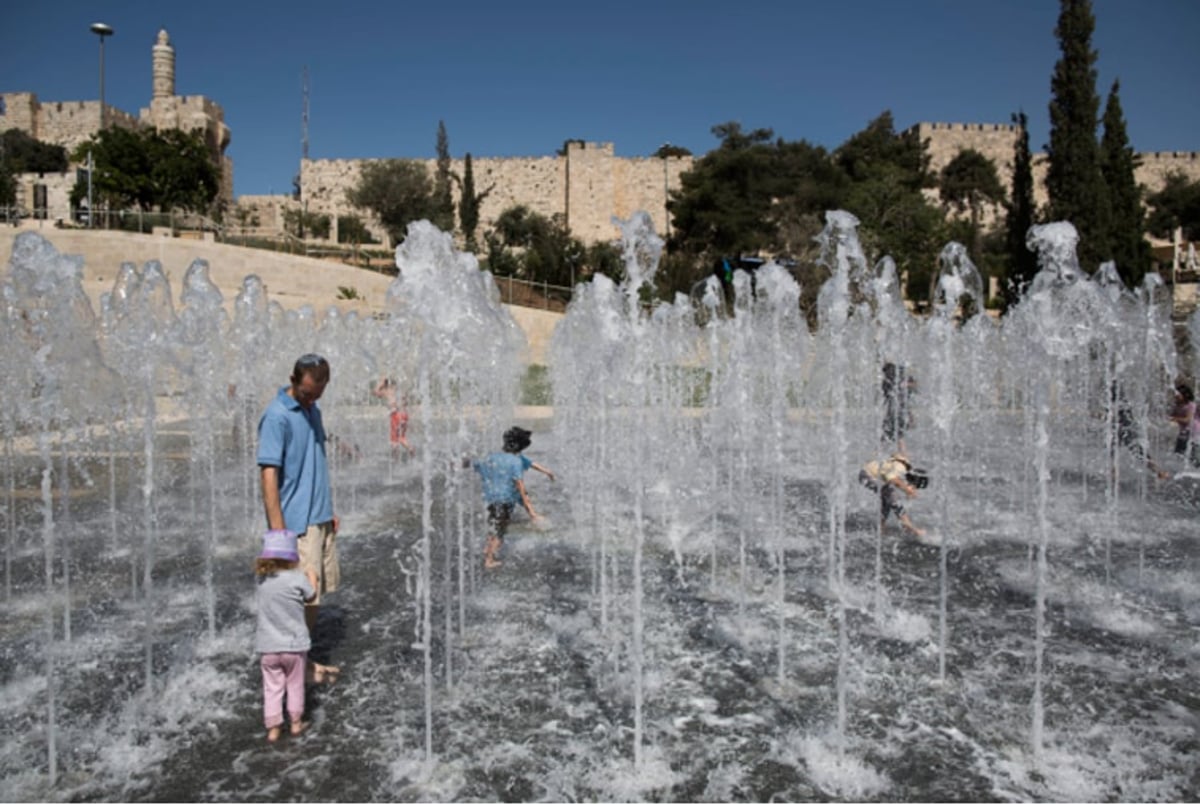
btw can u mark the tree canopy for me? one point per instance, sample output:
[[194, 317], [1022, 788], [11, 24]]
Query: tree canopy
[[755, 193], [1177, 205], [23, 154], [1073, 178], [529, 245], [1020, 216], [20, 153], [146, 169], [1126, 240], [397, 191], [969, 181], [442, 209]]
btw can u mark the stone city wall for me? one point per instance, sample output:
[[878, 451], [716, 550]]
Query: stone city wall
[[1156, 166], [262, 213], [590, 185], [20, 112], [187, 112], [996, 141], [57, 206], [65, 123], [587, 187]]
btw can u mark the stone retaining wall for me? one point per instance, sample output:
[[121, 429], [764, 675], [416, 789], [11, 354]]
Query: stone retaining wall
[[291, 280]]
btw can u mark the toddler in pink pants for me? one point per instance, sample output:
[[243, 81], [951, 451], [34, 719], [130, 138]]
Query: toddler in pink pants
[[282, 637]]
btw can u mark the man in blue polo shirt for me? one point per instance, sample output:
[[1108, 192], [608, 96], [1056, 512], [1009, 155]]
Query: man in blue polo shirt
[[295, 477]]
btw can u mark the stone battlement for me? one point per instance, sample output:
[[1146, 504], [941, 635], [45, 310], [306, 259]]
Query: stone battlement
[[70, 123], [1174, 156], [965, 127]]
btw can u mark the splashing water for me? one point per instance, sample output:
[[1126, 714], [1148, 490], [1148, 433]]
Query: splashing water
[[713, 610]]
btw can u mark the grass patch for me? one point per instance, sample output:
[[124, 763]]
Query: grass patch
[[535, 386]]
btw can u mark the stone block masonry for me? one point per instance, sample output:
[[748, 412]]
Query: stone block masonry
[[587, 186], [996, 141]]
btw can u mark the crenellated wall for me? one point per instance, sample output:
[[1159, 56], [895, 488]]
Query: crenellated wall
[[69, 123], [997, 141], [65, 123], [587, 186]]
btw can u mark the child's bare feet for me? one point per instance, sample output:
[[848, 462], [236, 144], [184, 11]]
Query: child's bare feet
[[298, 727], [326, 674], [273, 734]]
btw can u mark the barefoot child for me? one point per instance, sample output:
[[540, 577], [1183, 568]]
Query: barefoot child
[[282, 637], [884, 478], [397, 415], [503, 488]]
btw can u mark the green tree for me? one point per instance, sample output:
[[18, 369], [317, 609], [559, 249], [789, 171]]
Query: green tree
[[351, 229], [719, 208], [469, 204], [23, 154], [1127, 238], [1176, 206], [442, 211], [1021, 262], [968, 182], [667, 150], [540, 249], [604, 258], [397, 191], [8, 185], [149, 170], [183, 175], [20, 153], [306, 224], [807, 184], [1073, 178], [887, 175], [750, 194], [121, 170]]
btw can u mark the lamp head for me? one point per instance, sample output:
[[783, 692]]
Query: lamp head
[[102, 30]]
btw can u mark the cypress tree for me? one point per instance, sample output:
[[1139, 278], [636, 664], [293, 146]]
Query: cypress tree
[[1118, 162], [1073, 179], [468, 205], [443, 201], [1022, 263]]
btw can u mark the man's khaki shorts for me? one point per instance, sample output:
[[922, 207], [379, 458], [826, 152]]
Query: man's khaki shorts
[[318, 552]]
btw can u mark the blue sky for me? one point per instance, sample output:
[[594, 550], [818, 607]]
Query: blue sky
[[518, 78]]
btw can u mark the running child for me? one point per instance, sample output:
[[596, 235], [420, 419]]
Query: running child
[[503, 488]]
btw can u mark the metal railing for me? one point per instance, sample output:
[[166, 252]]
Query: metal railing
[[120, 220], [535, 294], [553, 296]]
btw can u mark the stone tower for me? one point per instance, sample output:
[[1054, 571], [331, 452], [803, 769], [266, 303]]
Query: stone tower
[[164, 66], [191, 113]]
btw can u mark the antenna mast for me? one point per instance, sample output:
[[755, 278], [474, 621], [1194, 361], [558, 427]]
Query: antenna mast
[[304, 117]]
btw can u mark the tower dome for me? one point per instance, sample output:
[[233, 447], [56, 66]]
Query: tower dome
[[164, 66]]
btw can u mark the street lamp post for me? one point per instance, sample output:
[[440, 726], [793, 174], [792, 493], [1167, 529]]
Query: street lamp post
[[101, 30]]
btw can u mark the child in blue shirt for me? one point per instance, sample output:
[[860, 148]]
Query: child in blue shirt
[[504, 488]]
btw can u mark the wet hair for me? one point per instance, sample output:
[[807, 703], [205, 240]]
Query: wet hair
[[892, 375], [1185, 391], [269, 567], [312, 365], [516, 439]]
